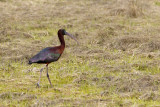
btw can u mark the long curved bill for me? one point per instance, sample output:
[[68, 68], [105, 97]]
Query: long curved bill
[[71, 37]]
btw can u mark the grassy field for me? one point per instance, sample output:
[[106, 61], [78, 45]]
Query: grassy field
[[117, 62]]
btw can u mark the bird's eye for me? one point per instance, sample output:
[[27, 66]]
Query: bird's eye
[[64, 32]]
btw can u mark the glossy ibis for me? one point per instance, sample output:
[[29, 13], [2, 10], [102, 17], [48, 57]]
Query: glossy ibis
[[50, 54]]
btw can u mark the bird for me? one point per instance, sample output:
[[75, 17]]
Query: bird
[[50, 54]]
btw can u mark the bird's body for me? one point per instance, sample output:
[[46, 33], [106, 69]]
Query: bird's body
[[50, 54], [47, 55]]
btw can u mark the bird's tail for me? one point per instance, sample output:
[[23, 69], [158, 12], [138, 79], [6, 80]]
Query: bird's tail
[[30, 62]]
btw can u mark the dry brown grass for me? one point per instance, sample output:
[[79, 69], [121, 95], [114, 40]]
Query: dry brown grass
[[118, 55]]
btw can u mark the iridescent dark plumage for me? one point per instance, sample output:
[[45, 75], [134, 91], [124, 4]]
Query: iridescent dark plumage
[[50, 54], [46, 55]]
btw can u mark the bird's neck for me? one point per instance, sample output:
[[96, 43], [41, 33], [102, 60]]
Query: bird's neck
[[61, 39]]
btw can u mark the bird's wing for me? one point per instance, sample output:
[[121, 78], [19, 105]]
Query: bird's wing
[[51, 57], [45, 56]]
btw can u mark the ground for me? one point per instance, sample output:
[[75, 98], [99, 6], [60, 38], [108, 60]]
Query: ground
[[117, 62]]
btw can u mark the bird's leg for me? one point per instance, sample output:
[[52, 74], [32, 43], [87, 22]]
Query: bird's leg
[[38, 84], [48, 76]]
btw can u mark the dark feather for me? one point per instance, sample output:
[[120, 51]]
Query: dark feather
[[46, 55]]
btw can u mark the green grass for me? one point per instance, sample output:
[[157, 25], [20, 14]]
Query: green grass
[[157, 3], [71, 79], [62, 74]]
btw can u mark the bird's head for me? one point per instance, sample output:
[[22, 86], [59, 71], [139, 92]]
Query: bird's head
[[63, 32]]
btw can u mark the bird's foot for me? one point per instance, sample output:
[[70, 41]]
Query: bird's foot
[[37, 86]]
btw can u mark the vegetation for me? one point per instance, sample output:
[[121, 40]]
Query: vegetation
[[116, 64]]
